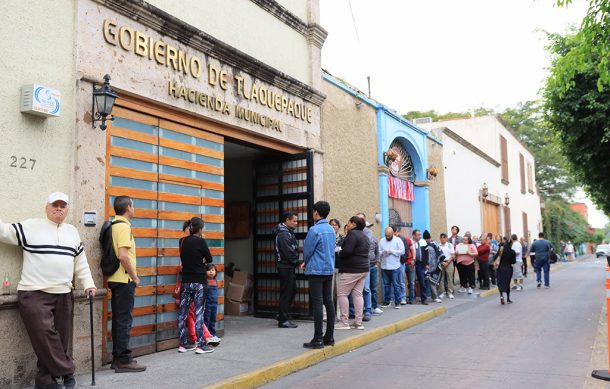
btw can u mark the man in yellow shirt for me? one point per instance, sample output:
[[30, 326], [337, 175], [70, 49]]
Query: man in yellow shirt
[[123, 284]]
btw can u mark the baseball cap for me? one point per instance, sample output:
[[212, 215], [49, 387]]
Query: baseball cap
[[58, 196], [368, 224]]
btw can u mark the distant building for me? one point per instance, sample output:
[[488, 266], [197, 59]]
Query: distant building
[[490, 185], [582, 209]]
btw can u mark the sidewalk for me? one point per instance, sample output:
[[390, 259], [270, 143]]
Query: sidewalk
[[252, 344]]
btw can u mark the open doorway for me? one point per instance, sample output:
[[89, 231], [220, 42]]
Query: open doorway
[[260, 185]]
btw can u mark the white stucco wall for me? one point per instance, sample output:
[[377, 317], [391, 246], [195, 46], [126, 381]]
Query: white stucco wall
[[484, 133], [299, 8], [31, 54], [249, 28], [465, 173]]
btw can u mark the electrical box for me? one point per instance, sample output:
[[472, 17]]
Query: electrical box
[[90, 219], [41, 101]]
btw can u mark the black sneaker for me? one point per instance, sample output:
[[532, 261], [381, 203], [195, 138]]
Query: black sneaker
[[424, 302], [69, 381], [538, 285], [315, 344], [366, 318]]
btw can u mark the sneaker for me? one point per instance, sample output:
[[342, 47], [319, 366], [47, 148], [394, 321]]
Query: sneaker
[[377, 312], [469, 290], [403, 302], [366, 318], [359, 327], [462, 290], [547, 287], [514, 287], [205, 349], [213, 341], [451, 296], [520, 287], [442, 296], [385, 305], [538, 285], [188, 347], [437, 300], [343, 326], [396, 306], [131, 367]]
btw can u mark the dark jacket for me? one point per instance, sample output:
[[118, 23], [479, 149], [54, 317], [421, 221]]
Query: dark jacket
[[194, 254], [286, 246], [354, 254]]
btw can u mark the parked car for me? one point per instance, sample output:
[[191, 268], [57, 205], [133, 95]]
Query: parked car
[[602, 250]]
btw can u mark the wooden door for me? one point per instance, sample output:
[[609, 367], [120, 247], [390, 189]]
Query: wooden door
[[491, 218], [172, 172]]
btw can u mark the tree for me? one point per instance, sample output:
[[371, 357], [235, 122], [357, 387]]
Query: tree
[[553, 177], [562, 223], [578, 111]]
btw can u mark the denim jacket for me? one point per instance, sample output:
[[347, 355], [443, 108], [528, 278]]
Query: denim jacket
[[319, 249]]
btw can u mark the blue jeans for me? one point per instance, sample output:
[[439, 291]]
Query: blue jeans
[[420, 270], [210, 309], [538, 267], [403, 289], [391, 282], [373, 278], [411, 281], [366, 294]]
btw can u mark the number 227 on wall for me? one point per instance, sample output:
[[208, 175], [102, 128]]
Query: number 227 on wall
[[22, 162]]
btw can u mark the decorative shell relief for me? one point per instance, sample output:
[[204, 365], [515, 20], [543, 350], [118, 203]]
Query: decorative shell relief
[[401, 166]]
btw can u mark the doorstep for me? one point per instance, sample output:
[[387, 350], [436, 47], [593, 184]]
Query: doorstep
[[257, 346]]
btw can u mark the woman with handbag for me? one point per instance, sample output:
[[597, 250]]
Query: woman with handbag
[[504, 266], [194, 254]]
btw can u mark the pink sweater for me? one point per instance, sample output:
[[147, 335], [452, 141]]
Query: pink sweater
[[466, 259]]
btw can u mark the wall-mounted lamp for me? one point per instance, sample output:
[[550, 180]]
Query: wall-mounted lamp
[[506, 200], [485, 190], [432, 172], [390, 156], [377, 218], [103, 102], [358, 104]]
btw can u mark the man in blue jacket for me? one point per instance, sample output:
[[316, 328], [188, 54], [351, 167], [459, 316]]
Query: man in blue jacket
[[542, 249], [319, 257]]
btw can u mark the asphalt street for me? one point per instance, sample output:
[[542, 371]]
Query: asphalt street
[[543, 340]]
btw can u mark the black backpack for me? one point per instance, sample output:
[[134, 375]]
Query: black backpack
[[109, 263]]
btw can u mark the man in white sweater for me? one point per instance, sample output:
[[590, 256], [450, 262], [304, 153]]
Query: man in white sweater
[[391, 248], [53, 254]]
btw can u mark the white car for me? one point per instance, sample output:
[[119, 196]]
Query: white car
[[602, 250]]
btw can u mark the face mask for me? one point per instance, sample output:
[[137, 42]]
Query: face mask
[[388, 239]]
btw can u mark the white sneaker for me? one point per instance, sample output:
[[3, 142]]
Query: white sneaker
[[469, 290], [520, 287], [438, 300], [343, 326], [396, 306], [188, 347], [547, 287], [451, 296], [377, 311], [461, 290], [442, 296], [359, 327]]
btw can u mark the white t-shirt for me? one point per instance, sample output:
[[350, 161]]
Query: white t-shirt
[[447, 249], [518, 249]]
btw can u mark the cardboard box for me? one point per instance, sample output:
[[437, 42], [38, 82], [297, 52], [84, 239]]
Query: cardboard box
[[243, 278], [236, 308], [237, 292]]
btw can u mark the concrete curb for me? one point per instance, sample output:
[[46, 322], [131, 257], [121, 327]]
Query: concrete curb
[[256, 378], [494, 291]]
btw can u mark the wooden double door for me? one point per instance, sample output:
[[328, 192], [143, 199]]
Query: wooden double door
[[172, 172]]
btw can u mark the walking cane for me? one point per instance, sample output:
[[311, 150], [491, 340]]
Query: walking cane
[[92, 346]]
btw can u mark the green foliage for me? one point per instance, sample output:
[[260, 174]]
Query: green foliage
[[594, 43], [578, 113], [562, 223], [553, 178], [481, 111]]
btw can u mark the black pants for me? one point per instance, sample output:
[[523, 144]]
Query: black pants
[[321, 294], [122, 306], [524, 267], [493, 274], [484, 274], [467, 275], [287, 292]]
